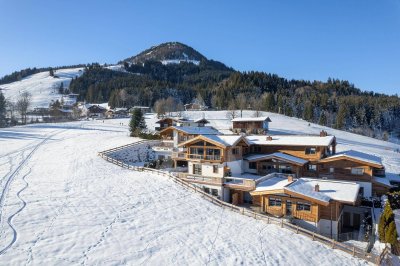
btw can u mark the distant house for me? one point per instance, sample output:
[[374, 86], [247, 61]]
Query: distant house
[[195, 107], [117, 113], [251, 125], [96, 111], [144, 109], [180, 122]]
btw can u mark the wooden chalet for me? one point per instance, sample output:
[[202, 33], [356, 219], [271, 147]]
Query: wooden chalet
[[314, 203], [251, 125], [96, 111], [359, 167]]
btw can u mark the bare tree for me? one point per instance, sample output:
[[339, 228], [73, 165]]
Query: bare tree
[[159, 107], [23, 103], [241, 102], [232, 113], [257, 106]]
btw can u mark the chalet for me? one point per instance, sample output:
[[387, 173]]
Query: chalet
[[251, 125], [365, 169], [96, 111], [290, 154], [210, 159], [144, 109], [325, 206], [117, 113], [172, 136], [195, 107], [180, 122]]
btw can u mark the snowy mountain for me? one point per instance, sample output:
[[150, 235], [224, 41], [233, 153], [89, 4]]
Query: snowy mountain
[[168, 53], [42, 86]]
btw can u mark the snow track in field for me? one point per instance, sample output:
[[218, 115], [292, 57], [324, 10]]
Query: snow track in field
[[79, 209]]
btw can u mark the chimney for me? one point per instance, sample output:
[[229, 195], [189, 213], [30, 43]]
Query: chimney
[[323, 133], [269, 138], [290, 179], [316, 188]]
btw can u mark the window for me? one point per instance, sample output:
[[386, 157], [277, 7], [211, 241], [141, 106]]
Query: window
[[361, 192], [357, 171], [311, 150], [252, 165], [331, 169], [303, 206], [235, 151], [256, 149], [206, 190], [214, 192], [274, 202], [215, 169], [197, 169], [312, 167]]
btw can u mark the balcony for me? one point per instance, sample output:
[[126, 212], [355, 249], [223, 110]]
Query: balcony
[[179, 155], [193, 178], [202, 157], [165, 145]]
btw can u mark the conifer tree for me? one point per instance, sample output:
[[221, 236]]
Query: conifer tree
[[137, 123], [2, 110]]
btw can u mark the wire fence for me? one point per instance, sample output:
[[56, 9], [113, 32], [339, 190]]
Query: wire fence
[[345, 247]]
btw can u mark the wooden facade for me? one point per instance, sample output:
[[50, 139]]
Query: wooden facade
[[289, 207]]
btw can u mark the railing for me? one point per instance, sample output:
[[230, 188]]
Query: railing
[[206, 157], [348, 248], [179, 155], [200, 178]]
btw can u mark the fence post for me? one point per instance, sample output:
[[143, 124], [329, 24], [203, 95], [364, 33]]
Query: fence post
[[243, 211], [282, 223], [354, 251], [313, 236], [268, 220], [333, 244], [297, 230]]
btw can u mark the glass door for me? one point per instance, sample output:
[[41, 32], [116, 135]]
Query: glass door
[[288, 207]]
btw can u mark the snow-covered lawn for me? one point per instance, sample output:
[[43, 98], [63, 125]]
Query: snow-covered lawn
[[62, 204]]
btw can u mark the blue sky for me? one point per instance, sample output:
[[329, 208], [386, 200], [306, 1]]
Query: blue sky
[[354, 40]]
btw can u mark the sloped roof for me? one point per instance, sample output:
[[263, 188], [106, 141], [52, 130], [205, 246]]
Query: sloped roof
[[276, 155], [293, 140], [219, 140], [356, 155], [342, 191], [194, 130], [251, 119], [274, 183]]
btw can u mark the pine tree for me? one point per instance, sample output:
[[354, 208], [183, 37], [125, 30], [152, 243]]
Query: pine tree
[[322, 119], [341, 117], [137, 123], [2, 110]]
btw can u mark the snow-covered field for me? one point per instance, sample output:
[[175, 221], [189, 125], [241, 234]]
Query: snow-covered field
[[62, 204], [42, 86]]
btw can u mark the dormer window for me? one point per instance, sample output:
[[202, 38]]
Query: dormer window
[[311, 150]]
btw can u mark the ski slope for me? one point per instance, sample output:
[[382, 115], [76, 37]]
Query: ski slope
[[41, 86], [62, 204]]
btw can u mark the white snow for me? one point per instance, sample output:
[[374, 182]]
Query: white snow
[[225, 139], [42, 86], [197, 130], [291, 140], [279, 155], [328, 189], [178, 61], [273, 183], [358, 156], [65, 205], [250, 119]]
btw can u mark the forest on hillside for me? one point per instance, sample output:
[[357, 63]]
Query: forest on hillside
[[334, 103]]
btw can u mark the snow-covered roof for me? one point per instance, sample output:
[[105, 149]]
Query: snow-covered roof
[[224, 139], [201, 120], [279, 155], [251, 119], [197, 130], [360, 156], [274, 183], [293, 140], [328, 189]]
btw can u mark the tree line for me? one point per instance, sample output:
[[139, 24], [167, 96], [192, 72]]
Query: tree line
[[334, 103]]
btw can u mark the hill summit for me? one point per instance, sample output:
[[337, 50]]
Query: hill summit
[[168, 53]]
